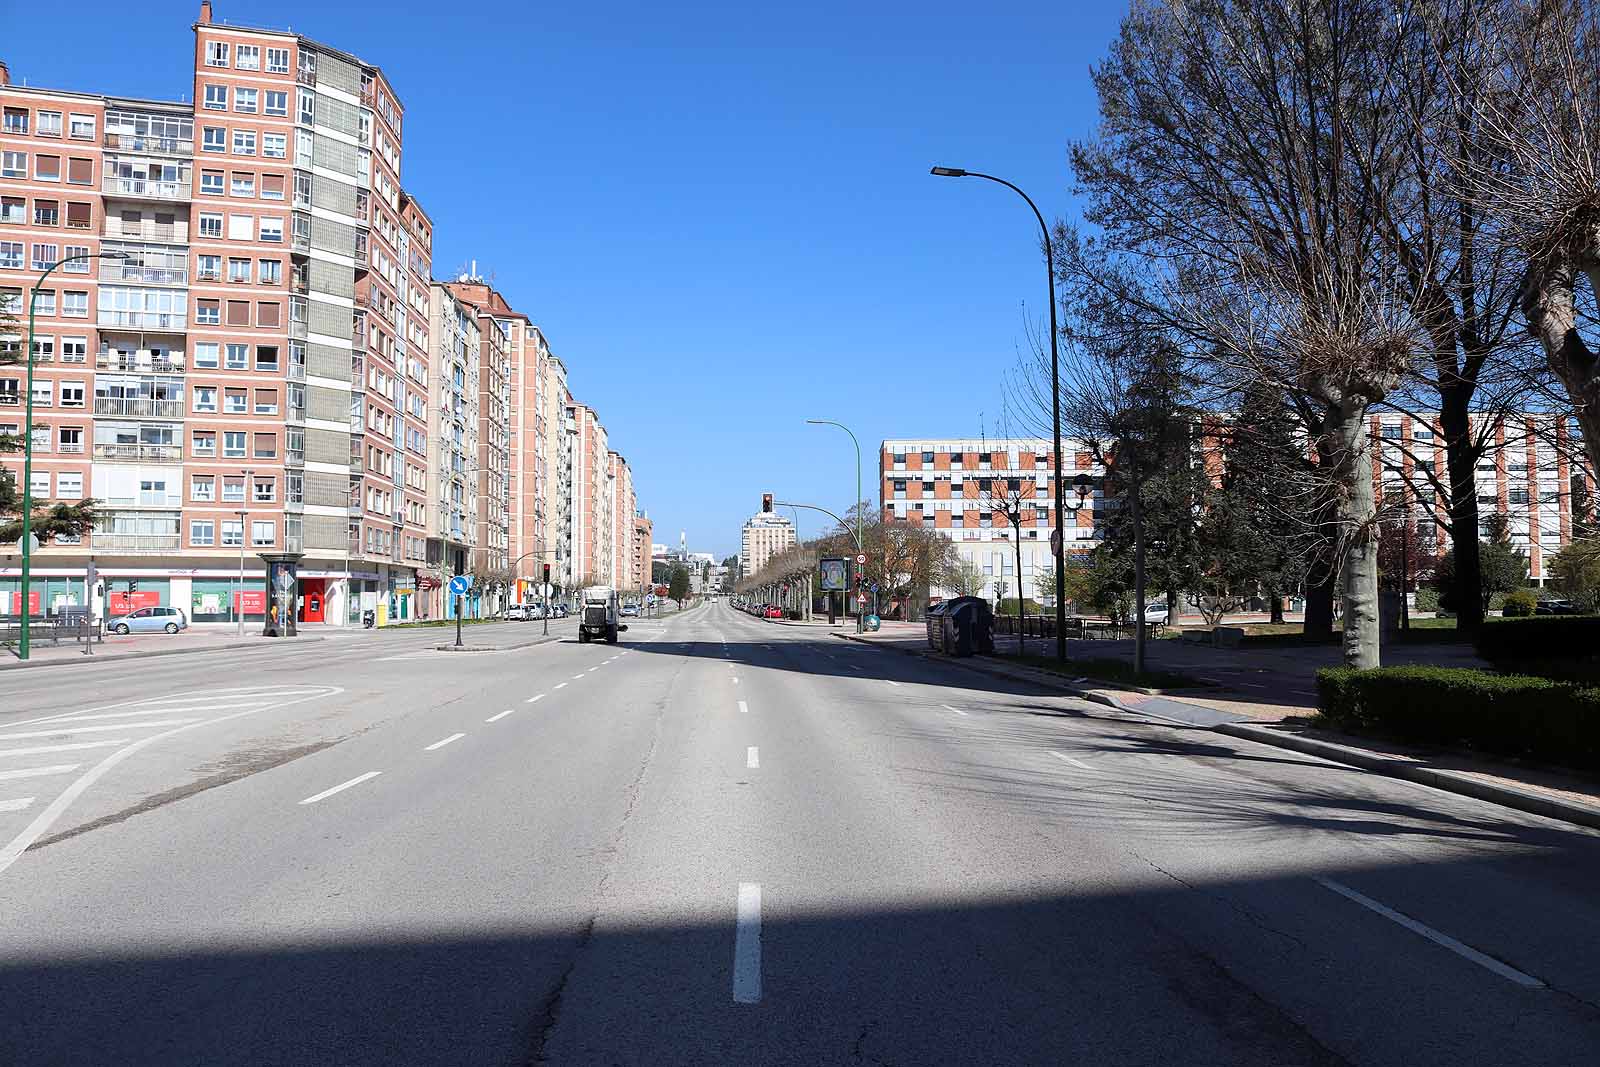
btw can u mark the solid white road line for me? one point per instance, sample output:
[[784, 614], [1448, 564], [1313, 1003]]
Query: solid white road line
[[958, 711], [534, 699], [501, 715], [446, 741], [1069, 759], [341, 787], [39, 750], [747, 945], [752, 757], [15, 805], [38, 772], [561, 685], [892, 682], [1464, 951], [157, 711], [744, 709], [97, 729]]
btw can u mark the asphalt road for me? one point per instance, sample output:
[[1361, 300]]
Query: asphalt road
[[726, 840]]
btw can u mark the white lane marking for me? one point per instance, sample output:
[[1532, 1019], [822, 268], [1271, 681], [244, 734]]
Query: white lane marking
[[561, 685], [958, 711], [15, 805], [612, 658], [1069, 759], [341, 787], [1464, 951], [752, 757], [446, 741], [39, 750], [856, 667], [252, 694], [577, 677], [97, 729], [534, 699], [747, 945], [501, 715], [744, 709], [154, 711], [591, 670], [38, 772], [892, 682]]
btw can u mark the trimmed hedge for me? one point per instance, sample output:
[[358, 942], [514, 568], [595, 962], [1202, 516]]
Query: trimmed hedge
[[1541, 637], [1502, 714]]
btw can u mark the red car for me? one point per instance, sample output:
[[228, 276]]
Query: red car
[[774, 613]]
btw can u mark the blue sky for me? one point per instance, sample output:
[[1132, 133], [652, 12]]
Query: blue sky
[[720, 213]]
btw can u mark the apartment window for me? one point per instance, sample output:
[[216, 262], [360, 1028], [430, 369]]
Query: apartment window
[[69, 265], [216, 53], [47, 168], [44, 391], [272, 187], [238, 357], [46, 213], [275, 145], [49, 124], [244, 184], [244, 100], [44, 257], [74, 349], [79, 216], [204, 443], [235, 401], [211, 182], [263, 532], [72, 394], [213, 139], [238, 270], [69, 485], [205, 355], [266, 446], [244, 142], [16, 120], [233, 490], [14, 209], [211, 226], [44, 349], [266, 402], [208, 312], [202, 532], [265, 490], [44, 300], [1516, 496], [277, 61], [13, 164], [247, 57], [80, 171], [205, 398], [272, 230], [216, 98], [203, 487], [232, 533], [275, 102], [302, 198], [269, 314], [74, 305], [240, 227], [81, 127], [238, 313], [269, 271], [267, 358], [308, 106], [233, 444], [208, 268]]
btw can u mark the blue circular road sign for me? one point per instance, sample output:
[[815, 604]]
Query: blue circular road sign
[[459, 585]]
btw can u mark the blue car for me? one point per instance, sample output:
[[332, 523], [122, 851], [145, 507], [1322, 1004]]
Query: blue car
[[149, 620]]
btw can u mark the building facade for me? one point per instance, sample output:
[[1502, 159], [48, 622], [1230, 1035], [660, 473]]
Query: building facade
[[452, 445], [763, 536]]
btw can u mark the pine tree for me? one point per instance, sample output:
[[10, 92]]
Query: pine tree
[[50, 519]]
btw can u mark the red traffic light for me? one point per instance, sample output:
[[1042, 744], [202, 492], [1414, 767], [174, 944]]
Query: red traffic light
[[766, 502]]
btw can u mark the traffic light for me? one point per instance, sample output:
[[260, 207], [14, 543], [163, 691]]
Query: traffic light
[[547, 574], [766, 502], [133, 586]]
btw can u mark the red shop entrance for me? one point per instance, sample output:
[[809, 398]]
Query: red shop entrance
[[313, 599]]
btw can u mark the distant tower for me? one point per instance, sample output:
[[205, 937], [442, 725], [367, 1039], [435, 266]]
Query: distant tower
[[683, 544]]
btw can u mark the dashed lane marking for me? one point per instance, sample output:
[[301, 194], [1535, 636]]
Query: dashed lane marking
[[38, 772], [497, 717], [1062, 756], [534, 699], [19, 804], [444, 742], [752, 757], [561, 685], [958, 711], [744, 709], [341, 787], [892, 682]]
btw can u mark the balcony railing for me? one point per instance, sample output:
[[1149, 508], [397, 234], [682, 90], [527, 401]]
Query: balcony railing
[[133, 142], [299, 244], [138, 452], [146, 229], [297, 330], [112, 270], [294, 457], [306, 77], [145, 188], [168, 322], [113, 542], [70, 448], [138, 407], [140, 363]]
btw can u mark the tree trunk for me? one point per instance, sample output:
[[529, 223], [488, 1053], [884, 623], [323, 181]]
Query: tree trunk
[[1022, 603], [1461, 463], [1138, 580], [1550, 306], [1275, 605], [1357, 512]]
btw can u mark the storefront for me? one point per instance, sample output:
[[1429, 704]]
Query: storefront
[[313, 600]]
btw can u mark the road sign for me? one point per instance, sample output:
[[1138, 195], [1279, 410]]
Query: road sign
[[459, 585], [649, 598], [861, 558], [861, 598], [1055, 541]]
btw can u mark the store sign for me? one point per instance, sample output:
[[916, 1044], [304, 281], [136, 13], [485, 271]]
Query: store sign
[[126, 603], [250, 601], [12, 599]]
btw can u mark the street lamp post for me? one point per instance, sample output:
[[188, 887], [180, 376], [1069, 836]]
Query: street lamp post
[[239, 597], [24, 642], [1055, 396], [860, 623]]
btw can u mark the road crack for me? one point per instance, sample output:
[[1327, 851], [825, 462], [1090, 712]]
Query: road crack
[[1239, 909]]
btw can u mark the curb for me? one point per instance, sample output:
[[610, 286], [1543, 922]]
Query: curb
[[497, 648], [113, 657], [1045, 678], [1449, 781]]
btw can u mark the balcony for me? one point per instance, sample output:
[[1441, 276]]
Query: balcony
[[134, 142], [140, 362], [144, 189], [294, 457], [136, 543], [297, 330], [165, 321], [307, 78], [119, 271], [146, 230], [138, 453], [299, 283], [138, 407]]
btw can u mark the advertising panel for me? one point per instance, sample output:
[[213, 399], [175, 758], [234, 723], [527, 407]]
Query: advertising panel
[[835, 573]]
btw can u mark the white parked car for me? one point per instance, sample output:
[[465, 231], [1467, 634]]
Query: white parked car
[[1157, 613]]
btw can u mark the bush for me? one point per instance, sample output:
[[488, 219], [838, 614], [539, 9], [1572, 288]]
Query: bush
[[1541, 637], [1008, 606], [1427, 599], [1519, 604], [1502, 714]]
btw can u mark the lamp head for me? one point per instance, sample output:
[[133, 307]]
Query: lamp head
[[948, 172]]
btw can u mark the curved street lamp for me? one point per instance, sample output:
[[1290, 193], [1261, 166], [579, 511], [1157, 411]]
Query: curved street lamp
[[1055, 395]]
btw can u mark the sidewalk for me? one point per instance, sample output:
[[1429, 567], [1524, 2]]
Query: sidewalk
[[1551, 792], [140, 646]]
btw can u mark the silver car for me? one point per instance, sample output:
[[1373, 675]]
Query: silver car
[[149, 620]]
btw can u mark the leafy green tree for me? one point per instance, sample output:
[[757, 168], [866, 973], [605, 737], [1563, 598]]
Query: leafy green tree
[[1502, 565], [1576, 570], [678, 583], [50, 519]]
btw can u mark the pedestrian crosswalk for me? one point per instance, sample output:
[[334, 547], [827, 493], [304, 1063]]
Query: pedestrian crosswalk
[[49, 761]]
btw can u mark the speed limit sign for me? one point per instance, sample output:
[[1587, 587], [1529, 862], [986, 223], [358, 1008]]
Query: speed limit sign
[[861, 558]]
